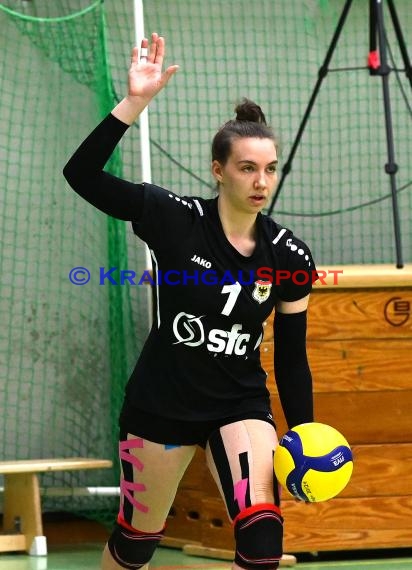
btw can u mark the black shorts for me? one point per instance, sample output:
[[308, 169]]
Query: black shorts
[[169, 431]]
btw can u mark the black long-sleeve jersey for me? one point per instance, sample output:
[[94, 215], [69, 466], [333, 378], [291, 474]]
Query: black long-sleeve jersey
[[201, 360]]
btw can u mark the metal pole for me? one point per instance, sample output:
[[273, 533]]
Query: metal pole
[[390, 167], [144, 141]]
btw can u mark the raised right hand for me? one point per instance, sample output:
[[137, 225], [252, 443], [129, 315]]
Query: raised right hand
[[146, 77]]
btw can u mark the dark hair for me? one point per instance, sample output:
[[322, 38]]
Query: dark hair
[[250, 122]]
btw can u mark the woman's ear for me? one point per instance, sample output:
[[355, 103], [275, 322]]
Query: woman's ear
[[217, 171]]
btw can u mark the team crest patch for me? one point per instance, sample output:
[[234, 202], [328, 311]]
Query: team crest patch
[[261, 291]]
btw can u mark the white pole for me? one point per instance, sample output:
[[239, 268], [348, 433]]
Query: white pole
[[144, 138]]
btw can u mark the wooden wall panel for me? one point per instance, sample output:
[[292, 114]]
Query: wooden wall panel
[[333, 525], [187, 516], [194, 478], [373, 276], [357, 314], [380, 470], [217, 531], [351, 366], [361, 314], [362, 417], [374, 467], [305, 538], [359, 514]]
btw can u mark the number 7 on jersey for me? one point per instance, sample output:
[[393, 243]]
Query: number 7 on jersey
[[233, 290]]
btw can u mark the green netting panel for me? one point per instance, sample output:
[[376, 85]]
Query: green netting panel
[[66, 351]]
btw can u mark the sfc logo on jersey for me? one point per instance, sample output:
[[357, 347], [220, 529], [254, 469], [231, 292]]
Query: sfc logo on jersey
[[261, 291]]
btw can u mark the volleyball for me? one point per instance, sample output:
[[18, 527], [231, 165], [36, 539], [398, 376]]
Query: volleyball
[[313, 462]]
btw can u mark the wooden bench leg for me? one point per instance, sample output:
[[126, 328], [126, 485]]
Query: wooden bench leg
[[22, 513]]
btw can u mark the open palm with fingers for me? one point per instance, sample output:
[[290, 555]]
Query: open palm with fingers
[[146, 77]]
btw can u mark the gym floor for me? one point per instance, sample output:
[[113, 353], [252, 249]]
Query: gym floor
[[87, 557]]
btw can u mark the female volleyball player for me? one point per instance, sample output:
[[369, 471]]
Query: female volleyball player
[[221, 267]]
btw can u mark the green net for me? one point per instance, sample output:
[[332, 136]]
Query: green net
[[66, 351]]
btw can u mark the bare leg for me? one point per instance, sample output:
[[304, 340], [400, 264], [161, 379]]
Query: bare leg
[[151, 473], [250, 442]]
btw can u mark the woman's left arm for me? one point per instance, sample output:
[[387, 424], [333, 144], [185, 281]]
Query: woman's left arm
[[292, 371]]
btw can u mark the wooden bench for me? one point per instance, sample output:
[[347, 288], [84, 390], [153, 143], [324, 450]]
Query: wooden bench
[[22, 514]]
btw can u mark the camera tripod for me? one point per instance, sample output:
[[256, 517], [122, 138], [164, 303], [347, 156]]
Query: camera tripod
[[378, 66]]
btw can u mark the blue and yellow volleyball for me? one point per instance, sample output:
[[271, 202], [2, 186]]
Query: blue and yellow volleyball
[[313, 462]]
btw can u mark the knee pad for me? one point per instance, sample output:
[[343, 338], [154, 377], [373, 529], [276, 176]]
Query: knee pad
[[259, 537], [131, 548]]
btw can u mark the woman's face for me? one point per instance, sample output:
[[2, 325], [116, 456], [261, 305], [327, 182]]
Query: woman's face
[[249, 177]]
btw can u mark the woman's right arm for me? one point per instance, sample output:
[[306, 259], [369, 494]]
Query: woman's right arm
[[84, 171]]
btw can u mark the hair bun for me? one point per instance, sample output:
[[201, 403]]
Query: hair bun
[[247, 110]]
